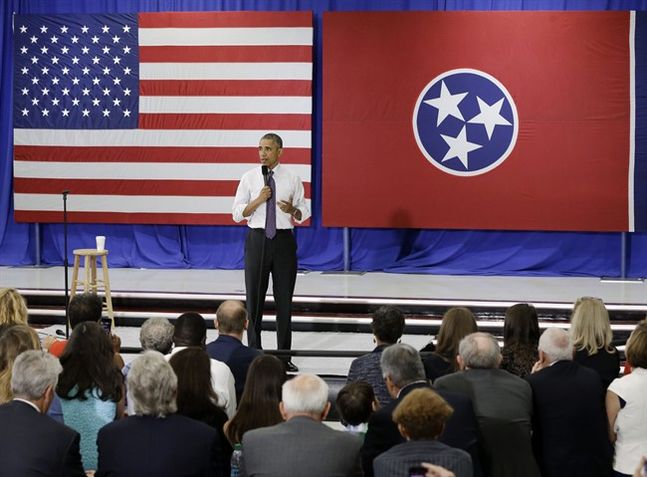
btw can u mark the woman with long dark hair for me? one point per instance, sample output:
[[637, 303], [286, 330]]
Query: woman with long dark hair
[[259, 404], [520, 339], [90, 386]]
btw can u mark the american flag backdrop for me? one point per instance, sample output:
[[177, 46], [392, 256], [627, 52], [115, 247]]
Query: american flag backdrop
[[154, 117]]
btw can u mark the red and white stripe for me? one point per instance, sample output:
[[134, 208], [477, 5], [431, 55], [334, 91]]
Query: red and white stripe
[[211, 84]]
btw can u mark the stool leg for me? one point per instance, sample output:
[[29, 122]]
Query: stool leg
[[106, 286], [86, 265], [93, 275], [75, 275]]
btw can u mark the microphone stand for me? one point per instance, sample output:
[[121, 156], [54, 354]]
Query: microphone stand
[[259, 312], [65, 263]]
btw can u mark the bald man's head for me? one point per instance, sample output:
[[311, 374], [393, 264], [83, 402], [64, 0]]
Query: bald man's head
[[231, 318]]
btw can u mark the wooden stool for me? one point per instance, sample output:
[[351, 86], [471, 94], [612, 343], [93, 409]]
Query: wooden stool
[[90, 282]]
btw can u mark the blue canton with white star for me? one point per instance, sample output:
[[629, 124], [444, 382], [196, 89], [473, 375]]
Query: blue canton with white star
[[76, 71], [465, 122]]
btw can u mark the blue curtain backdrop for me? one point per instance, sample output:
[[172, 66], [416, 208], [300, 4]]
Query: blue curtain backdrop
[[320, 248]]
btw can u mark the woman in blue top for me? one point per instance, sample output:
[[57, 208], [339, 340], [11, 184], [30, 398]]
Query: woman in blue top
[[90, 387]]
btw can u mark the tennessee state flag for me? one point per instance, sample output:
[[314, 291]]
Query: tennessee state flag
[[485, 120]]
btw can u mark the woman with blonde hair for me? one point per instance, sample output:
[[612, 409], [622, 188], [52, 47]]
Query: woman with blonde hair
[[14, 340], [591, 336], [457, 324], [13, 308]]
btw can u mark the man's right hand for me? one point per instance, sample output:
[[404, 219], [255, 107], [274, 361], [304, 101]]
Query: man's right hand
[[265, 194]]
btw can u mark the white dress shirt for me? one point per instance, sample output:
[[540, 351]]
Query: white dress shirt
[[222, 381], [288, 187]]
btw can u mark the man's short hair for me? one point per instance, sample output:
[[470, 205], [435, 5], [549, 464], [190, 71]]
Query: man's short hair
[[355, 402], [403, 364], [388, 324], [84, 307], [636, 351], [423, 414], [480, 351], [190, 330], [231, 316], [32, 373], [157, 334], [152, 385], [556, 345], [274, 137], [305, 393]]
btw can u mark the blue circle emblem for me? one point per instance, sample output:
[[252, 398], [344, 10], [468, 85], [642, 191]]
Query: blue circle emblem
[[465, 122]]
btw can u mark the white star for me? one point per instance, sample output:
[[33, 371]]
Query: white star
[[23, 50], [116, 101], [75, 81], [95, 39], [75, 60], [44, 50], [106, 92], [55, 60], [55, 101], [45, 91], [23, 29], [33, 39], [106, 50], [65, 70], [85, 50], [105, 29], [106, 71], [447, 104], [490, 116], [64, 50], [24, 91], [459, 147], [43, 29], [84, 29], [95, 60], [75, 39], [106, 113], [96, 81], [85, 91], [126, 28], [25, 112], [55, 81], [34, 60], [126, 113], [65, 91], [24, 70], [65, 113], [75, 101], [96, 102], [126, 50], [115, 39], [127, 70], [116, 81], [44, 70], [86, 113], [127, 92], [54, 39], [86, 70], [35, 101], [45, 112], [116, 60], [64, 29], [34, 80]]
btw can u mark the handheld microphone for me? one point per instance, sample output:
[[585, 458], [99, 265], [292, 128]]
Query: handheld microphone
[[265, 171], [65, 192]]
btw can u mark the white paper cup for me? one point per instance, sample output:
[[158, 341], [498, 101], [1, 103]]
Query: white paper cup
[[101, 242]]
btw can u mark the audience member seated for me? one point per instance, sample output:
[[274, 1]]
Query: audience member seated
[[13, 308], [191, 330], [387, 326], [520, 338], [259, 404], [626, 404], [30, 442], [90, 386], [569, 428], [156, 334], [303, 444], [14, 340], [591, 336], [403, 372], [195, 395], [457, 324], [156, 441], [355, 403], [502, 404], [84, 307], [231, 322], [421, 418]]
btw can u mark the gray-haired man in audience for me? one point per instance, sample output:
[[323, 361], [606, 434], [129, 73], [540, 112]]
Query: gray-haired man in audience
[[30, 442], [502, 404], [302, 445], [155, 334]]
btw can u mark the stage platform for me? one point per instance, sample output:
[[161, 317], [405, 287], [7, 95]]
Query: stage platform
[[332, 310]]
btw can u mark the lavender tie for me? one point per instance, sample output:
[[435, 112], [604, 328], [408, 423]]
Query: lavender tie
[[270, 215]]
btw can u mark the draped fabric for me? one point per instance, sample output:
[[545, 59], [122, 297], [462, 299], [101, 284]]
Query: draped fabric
[[320, 248]]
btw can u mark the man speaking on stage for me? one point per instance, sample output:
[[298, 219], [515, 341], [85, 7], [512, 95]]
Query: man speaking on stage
[[271, 198]]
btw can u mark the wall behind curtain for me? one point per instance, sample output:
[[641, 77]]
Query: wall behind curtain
[[320, 248]]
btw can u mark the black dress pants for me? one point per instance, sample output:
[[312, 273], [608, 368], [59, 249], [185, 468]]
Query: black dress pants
[[280, 259]]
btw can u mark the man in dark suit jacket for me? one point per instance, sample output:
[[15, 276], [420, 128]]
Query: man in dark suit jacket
[[32, 444], [502, 405], [302, 445], [403, 370], [570, 433], [231, 323], [155, 441]]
